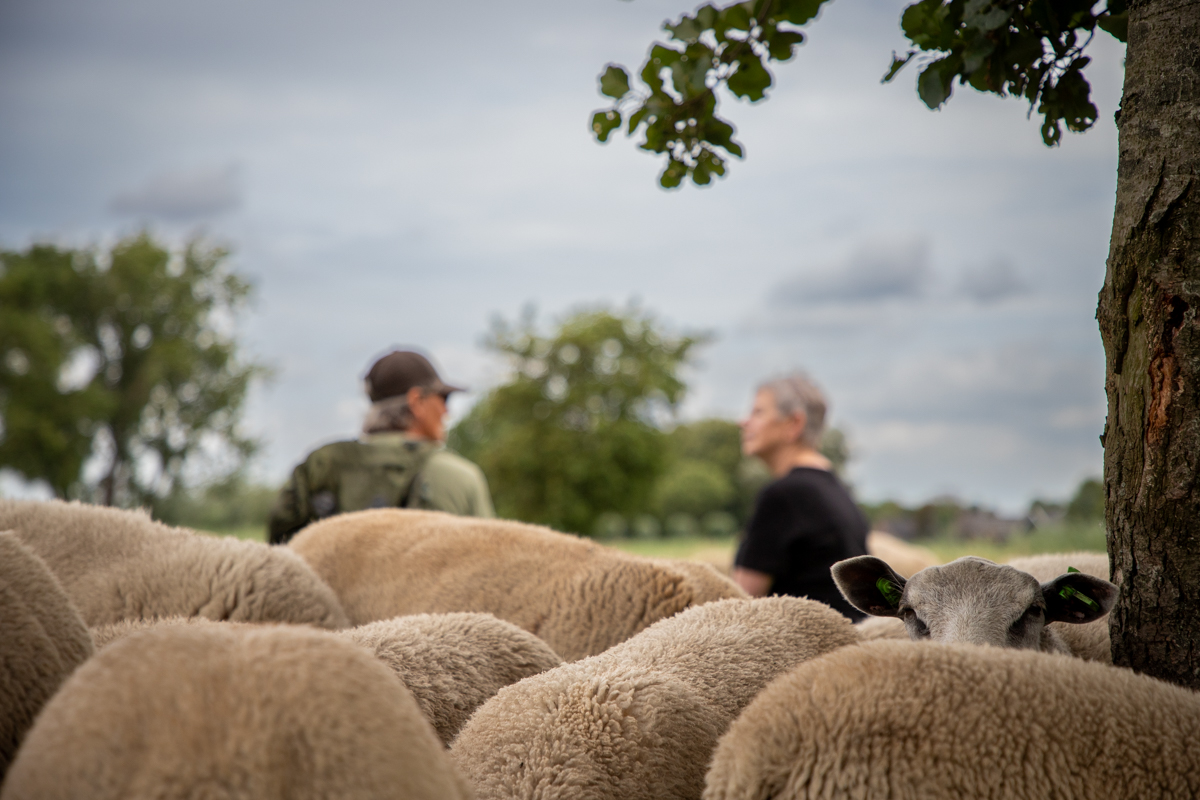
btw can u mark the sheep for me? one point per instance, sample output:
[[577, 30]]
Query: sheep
[[935, 721], [1090, 641], [872, 628], [973, 600], [907, 559], [117, 564], [42, 641], [639, 721], [238, 713], [104, 635], [705, 578], [579, 597], [451, 663]]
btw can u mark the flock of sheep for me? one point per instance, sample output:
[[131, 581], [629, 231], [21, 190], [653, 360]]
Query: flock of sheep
[[408, 654]]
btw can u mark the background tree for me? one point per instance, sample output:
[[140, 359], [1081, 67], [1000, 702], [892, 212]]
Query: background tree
[[1033, 49], [45, 421], [575, 432], [126, 356], [706, 471]]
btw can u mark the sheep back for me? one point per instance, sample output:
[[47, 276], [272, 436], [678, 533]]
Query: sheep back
[[907, 559], [116, 564], [104, 635], [1090, 641], [42, 641], [452, 663], [872, 628], [932, 721], [260, 713], [577, 596], [640, 720], [708, 582]]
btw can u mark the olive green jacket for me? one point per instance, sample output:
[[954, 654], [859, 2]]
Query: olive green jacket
[[380, 470]]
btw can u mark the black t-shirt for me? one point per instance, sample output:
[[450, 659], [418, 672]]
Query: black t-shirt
[[803, 523]]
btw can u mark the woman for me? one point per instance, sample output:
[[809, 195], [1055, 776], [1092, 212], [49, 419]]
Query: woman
[[805, 520]]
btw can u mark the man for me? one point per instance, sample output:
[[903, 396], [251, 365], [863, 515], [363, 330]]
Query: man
[[399, 461], [804, 521]]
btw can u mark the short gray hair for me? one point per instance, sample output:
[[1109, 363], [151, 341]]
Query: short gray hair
[[796, 393], [389, 414]]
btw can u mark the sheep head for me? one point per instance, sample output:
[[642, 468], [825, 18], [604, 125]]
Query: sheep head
[[975, 601]]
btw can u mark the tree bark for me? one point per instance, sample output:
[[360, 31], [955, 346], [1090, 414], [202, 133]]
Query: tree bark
[[1151, 335]]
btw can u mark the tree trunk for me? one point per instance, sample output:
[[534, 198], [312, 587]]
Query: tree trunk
[[1151, 338]]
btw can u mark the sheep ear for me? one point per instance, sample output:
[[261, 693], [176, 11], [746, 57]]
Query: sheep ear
[[1078, 597], [869, 585]]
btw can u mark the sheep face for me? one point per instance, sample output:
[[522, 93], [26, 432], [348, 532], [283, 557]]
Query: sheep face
[[975, 601]]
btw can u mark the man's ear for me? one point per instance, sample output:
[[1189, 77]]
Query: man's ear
[[869, 585], [1078, 597]]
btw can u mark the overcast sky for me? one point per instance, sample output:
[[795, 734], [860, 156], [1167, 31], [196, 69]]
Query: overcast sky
[[400, 173]]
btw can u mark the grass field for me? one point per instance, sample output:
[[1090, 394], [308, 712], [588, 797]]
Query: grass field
[[1060, 538]]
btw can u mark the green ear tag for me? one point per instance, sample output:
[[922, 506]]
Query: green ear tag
[[1072, 569], [889, 590], [1066, 593]]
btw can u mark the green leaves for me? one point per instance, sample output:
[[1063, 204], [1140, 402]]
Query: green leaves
[[614, 82], [676, 113], [1027, 48], [604, 123], [936, 81]]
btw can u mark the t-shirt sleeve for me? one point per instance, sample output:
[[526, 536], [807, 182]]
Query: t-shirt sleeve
[[767, 534]]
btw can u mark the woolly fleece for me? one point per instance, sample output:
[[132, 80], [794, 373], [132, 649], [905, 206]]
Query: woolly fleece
[[42, 641], [237, 713], [640, 721], [1089, 641], [104, 635], [577, 596], [117, 564], [453, 663], [925, 721], [873, 628]]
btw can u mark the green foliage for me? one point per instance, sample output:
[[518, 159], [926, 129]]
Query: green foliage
[[711, 483], [707, 474], [574, 432], [1025, 48], [1088, 502], [123, 356], [694, 487], [230, 504], [45, 425], [676, 112], [1032, 49]]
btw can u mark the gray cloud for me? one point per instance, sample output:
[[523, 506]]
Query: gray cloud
[[347, 161], [993, 282], [879, 271], [183, 196]]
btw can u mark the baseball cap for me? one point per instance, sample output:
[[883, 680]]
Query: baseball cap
[[401, 370]]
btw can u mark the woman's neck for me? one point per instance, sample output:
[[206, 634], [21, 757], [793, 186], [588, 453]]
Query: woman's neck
[[783, 460]]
